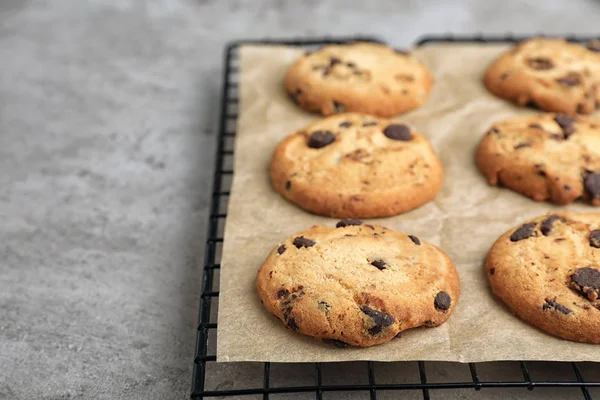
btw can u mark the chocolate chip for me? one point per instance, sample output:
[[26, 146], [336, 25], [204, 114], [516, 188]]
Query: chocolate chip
[[595, 238], [542, 173], [283, 292], [591, 182], [380, 319], [523, 232], [564, 120], [398, 335], [521, 145], [301, 241], [428, 322], [535, 126], [442, 301], [288, 185], [281, 249], [566, 123], [540, 63], [334, 60], [345, 124], [581, 108], [379, 264], [348, 222], [338, 107], [398, 132], [415, 240], [402, 52], [320, 139], [292, 324], [492, 271], [552, 304], [336, 343], [370, 123], [586, 281], [547, 224], [350, 65], [570, 80]]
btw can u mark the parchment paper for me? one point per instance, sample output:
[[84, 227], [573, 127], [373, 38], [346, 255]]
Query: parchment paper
[[464, 220]]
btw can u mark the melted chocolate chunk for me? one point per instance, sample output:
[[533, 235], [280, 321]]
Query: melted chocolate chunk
[[415, 240], [540, 63], [591, 182], [281, 249], [292, 324], [553, 305], [547, 224], [570, 80], [586, 281], [595, 238], [283, 293], [564, 120], [348, 222], [442, 301], [320, 139], [523, 232], [335, 342], [381, 320], [398, 132], [301, 241], [492, 271], [334, 60], [379, 264]]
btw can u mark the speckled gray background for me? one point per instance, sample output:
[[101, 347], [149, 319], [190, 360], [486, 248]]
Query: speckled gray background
[[107, 129]]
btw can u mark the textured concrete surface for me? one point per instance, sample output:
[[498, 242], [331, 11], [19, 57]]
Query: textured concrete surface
[[107, 115]]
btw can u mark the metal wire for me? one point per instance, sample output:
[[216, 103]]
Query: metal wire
[[211, 262]]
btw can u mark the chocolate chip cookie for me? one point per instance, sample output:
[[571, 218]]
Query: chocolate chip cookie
[[547, 271], [361, 77], [356, 166], [357, 284], [546, 157], [552, 74]]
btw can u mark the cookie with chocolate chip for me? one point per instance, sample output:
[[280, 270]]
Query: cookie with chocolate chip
[[546, 157], [357, 284], [547, 271], [356, 166], [358, 77], [552, 74]]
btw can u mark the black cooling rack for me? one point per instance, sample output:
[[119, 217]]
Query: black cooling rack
[[525, 375]]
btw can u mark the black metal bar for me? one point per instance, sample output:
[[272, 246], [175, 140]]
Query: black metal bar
[[371, 370], [423, 375], [267, 373], [526, 376], [318, 388], [584, 389], [475, 376]]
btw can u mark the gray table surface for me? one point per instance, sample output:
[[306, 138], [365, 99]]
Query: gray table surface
[[107, 130]]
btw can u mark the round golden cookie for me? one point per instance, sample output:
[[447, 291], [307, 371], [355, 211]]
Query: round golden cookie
[[357, 284], [356, 166], [361, 77], [546, 157], [547, 272], [552, 74]]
